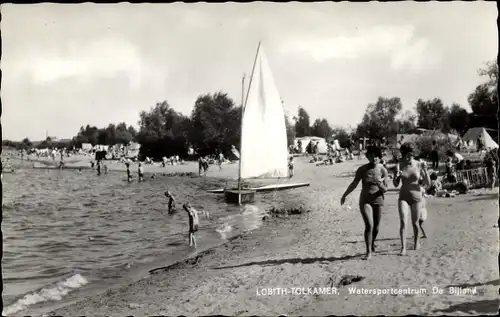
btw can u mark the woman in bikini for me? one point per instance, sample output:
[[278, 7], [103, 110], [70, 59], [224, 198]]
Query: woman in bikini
[[371, 200], [410, 173]]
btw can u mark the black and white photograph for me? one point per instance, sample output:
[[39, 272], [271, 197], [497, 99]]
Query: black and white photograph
[[250, 159]]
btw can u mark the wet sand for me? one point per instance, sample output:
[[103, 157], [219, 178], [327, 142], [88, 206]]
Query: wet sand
[[319, 248]]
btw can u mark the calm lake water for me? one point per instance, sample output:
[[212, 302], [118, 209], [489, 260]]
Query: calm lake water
[[67, 234]]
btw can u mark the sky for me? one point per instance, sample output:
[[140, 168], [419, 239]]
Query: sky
[[66, 66]]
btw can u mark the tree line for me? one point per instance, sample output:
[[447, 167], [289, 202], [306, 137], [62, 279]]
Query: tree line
[[383, 118], [214, 123]]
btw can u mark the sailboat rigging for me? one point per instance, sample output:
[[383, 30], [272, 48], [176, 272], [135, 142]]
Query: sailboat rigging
[[263, 145]]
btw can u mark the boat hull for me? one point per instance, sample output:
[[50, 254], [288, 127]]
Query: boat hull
[[233, 196], [264, 188]]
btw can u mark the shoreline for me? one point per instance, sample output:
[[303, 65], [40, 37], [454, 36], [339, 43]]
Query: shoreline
[[227, 278], [318, 249]]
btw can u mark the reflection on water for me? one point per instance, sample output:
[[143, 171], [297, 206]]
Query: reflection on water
[[64, 230]]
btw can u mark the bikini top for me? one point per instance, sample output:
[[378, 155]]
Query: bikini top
[[410, 175]]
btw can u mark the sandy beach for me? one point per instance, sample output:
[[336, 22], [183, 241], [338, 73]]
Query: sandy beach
[[318, 249]]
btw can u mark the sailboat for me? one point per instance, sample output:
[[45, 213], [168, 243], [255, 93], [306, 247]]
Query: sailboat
[[263, 146]]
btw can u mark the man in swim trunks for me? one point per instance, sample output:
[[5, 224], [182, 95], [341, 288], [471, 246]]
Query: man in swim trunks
[[371, 200], [410, 172], [193, 222]]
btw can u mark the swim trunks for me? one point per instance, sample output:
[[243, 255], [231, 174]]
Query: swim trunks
[[193, 229]]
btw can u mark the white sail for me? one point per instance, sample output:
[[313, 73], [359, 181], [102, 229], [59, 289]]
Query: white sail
[[263, 151]]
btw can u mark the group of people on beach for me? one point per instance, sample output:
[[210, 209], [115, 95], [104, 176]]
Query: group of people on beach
[[412, 174], [417, 183]]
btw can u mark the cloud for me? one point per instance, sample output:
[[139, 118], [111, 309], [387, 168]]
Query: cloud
[[105, 57], [396, 42]]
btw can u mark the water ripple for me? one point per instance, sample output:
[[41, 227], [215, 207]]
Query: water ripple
[[59, 224]]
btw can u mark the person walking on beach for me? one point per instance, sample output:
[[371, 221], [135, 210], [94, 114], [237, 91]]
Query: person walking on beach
[[220, 160], [193, 222], [202, 165], [423, 215], [140, 172], [290, 166], [98, 168], [480, 145], [373, 177], [171, 202], [410, 173], [491, 169]]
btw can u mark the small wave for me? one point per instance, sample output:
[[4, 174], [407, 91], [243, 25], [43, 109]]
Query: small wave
[[47, 294], [250, 209], [223, 230]]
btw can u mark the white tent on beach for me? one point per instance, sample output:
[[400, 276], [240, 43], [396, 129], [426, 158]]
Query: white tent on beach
[[471, 136], [322, 146]]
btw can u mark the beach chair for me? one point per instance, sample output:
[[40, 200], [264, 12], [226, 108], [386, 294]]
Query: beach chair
[[475, 178]]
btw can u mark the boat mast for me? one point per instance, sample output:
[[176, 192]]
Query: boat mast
[[241, 126]]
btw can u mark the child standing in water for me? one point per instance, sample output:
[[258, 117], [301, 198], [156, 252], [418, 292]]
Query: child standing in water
[[140, 172], [171, 202], [193, 222], [373, 177], [129, 176]]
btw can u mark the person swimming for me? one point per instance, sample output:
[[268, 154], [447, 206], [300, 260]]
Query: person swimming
[[371, 200], [410, 173], [193, 222]]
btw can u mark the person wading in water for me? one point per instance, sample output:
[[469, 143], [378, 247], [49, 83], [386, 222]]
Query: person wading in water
[[371, 200]]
